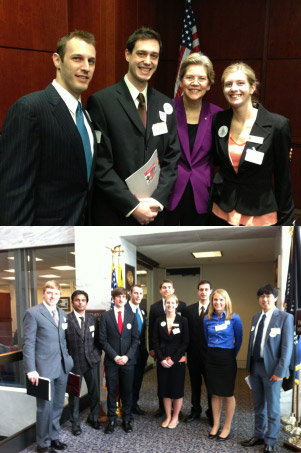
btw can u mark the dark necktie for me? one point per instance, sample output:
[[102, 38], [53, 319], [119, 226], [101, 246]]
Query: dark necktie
[[55, 316], [202, 314], [120, 323], [82, 327], [256, 349], [139, 320], [85, 137], [142, 108]]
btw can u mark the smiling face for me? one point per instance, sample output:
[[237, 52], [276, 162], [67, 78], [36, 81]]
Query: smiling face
[[267, 302], [237, 89], [171, 305], [75, 72], [219, 303], [166, 289], [51, 296], [204, 292], [143, 62], [195, 82]]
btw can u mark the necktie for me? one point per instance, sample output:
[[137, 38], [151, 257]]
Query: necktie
[[256, 349], [85, 137], [82, 327], [120, 323], [55, 316], [139, 320], [202, 313], [142, 108]]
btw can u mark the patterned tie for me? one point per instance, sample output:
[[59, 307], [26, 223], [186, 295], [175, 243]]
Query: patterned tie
[[142, 108], [120, 323], [82, 327], [139, 320], [55, 316], [85, 137], [202, 314], [256, 349]]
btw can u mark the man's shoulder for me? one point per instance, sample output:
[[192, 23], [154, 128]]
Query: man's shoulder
[[191, 308], [155, 305], [105, 92], [155, 93]]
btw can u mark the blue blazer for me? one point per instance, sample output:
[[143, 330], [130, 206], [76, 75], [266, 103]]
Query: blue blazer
[[278, 347]]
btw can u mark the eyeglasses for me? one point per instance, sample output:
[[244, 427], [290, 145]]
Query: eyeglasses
[[191, 79]]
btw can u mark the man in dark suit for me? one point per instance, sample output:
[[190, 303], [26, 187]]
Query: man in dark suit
[[82, 337], [132, 130], [136, 296], [157, 310], [45, 354], [119, 338], [197, 349], [48, 144], [269, 355]]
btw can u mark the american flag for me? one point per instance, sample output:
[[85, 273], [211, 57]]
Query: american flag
[[189, 42], [113, 282]]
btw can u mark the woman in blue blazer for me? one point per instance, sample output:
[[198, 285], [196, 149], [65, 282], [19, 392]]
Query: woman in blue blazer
[[251, 146]]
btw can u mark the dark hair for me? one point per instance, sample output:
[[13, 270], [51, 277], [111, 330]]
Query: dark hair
[[135, 286], [120, 291], [80, 34], [267, 289], [77, 292], [204, 282], [142, 33], [165, 281]]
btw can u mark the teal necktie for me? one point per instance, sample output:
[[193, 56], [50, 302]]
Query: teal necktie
[[85, 137], [139, 320]]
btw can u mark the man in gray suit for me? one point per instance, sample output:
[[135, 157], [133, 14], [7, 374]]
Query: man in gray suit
[[45, 354], [48, 143]]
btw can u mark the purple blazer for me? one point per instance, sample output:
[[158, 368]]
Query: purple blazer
[[197, 166]]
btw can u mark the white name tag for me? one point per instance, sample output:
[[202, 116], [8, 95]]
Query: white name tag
[[176, 324], [256, 157], [92, 328], [175, 331], [275, 331], [162, 116], [252, 328], [98, 136], [221, 327], [159, 128], [64, 325], [255, 139], [129, 326]]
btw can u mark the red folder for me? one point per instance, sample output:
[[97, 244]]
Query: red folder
[[73, 384]]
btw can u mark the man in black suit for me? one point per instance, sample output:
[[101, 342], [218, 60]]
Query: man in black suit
[[156, 310], [136, 296], [197, 350], [132, 130], [82, 337], [119, 338], [48, 144]]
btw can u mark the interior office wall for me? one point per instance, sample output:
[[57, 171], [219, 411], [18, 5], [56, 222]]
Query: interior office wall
[[266, 35]]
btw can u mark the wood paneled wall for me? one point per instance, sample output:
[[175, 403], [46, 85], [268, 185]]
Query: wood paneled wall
[[264, 33]]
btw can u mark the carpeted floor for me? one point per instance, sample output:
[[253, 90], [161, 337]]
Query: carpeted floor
[[149, 437]]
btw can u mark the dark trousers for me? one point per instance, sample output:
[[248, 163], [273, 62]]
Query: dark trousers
[[197, 374], [91, 377], [122, 375], [138, 377]]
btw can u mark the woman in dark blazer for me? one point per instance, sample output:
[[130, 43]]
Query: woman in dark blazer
[[171, 340], [251, 146], [188, 202]]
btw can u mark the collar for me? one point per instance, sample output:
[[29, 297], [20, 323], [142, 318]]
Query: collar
[[223, 315], [203, 305], [268, 315], [134, 92], [50, 308], [116, 310], [67, 97], [77, 315], [134, 307]]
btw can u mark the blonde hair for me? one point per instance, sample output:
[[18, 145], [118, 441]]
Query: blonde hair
[[53, 285], [171, 296], [228, 303], [245, 69], [201, 60]]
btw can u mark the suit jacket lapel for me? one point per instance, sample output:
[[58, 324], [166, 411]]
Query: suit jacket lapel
[[75, 323], [182, 127], [114, 322], [202, 130], [45, 312], [127, 103], [271, 324], [95, 145]]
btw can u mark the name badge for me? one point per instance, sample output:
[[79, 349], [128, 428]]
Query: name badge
[[275, 331], [159, 128], [221, 327], [176, 324], [227, 322], [255, 139], [256, 157], [92, 328], [252, 328], [162, 116], [129, 326], [175, 331], [92, 334], [64, 325]]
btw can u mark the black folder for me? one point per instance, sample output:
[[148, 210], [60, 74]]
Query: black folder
[[43, 390], [73, 384]]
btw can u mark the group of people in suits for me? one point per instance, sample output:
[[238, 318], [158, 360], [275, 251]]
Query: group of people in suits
[[49, 140], [209, 331]]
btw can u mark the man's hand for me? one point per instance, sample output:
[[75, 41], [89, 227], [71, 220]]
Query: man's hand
[[33, 376], [275, 378], [121, 360], [170, 362], [146, 211], [165, 364]]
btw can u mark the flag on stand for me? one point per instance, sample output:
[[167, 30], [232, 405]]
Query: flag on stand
[[113, 282], [120, 275], [189, 42]]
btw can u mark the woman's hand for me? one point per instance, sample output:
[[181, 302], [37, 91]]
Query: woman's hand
[[165, 364]]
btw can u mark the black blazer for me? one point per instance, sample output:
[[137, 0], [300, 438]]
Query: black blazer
[[251, 191], [115, 343], [125, 147], [42, 164], [156, 311], [141, 351], [83, 351], [197, 343], [173, 345]]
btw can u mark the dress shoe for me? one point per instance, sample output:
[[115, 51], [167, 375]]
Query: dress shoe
[[76, 430], [127, 426], [253, 441], [136, 410], [269, 448], [173, 425], [58, 445], [213, 436], [95, 424], [159, 413], [222, 439], [191, 417], [109, 429], [45, 449]]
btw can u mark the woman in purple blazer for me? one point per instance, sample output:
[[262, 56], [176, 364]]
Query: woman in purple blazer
[[188, 201]]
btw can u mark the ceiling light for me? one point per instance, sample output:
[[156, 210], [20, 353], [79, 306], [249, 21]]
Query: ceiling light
[[72, 253], [63, 268], [8, 278], [9, 270], [50, 276], [141, 272], [218, 253], [65, 284], [28, 258]]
